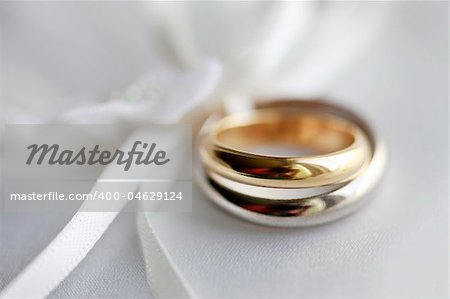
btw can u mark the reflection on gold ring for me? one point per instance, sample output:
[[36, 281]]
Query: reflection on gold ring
[[343, 149]]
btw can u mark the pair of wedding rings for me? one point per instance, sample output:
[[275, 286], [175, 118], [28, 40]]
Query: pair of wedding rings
[[252, 166]]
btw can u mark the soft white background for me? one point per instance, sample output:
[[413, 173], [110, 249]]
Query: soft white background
[[396, 246]]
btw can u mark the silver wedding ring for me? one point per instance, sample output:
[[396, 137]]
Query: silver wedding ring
[[275, 205]]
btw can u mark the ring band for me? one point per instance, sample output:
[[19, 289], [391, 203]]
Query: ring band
[[304, 210], [275, 194], [345, 147]]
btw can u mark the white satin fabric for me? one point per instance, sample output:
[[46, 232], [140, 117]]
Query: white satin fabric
[[391, 67], [153, 93]]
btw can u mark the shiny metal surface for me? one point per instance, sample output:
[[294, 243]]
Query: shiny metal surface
[[278, 194], [302, 211], [343, 148]]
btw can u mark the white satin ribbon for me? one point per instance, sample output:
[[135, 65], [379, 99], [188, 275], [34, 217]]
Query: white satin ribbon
[[79, 236], [163, 276], [70, 246], [255, 70]]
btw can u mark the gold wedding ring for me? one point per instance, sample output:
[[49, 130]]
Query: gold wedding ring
[[343, 148], [344, 161]]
